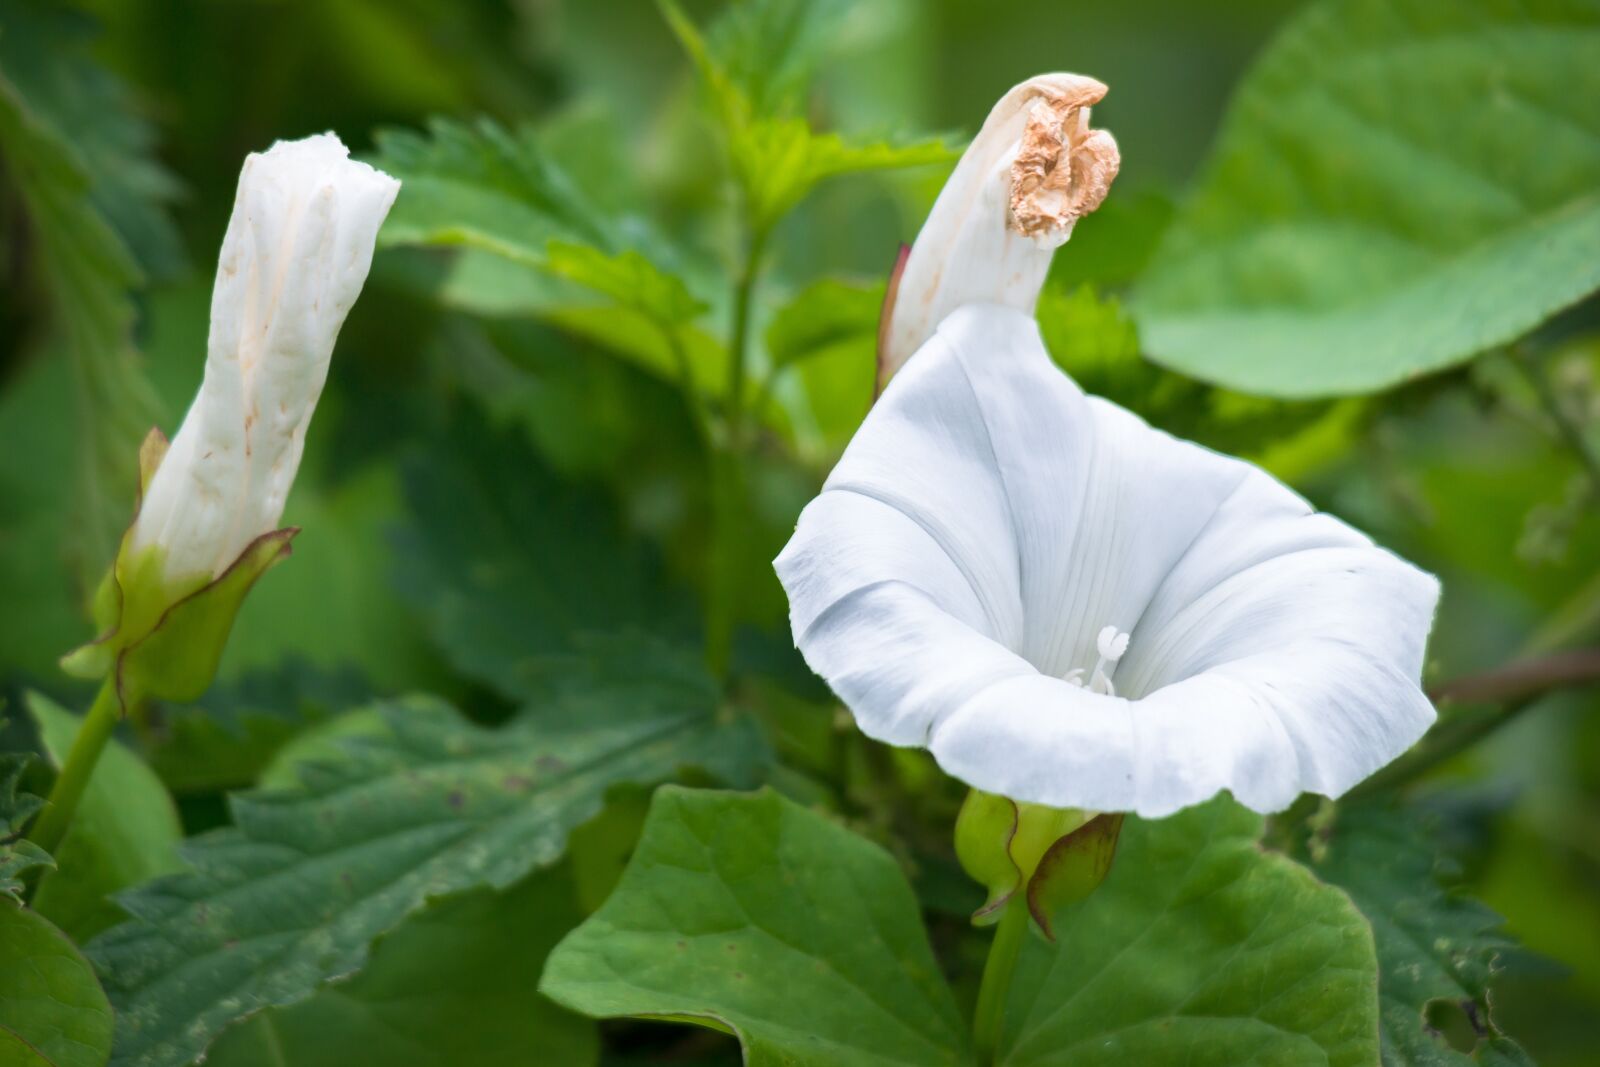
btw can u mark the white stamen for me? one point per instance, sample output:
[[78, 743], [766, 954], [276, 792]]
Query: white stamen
[[1112, 644]]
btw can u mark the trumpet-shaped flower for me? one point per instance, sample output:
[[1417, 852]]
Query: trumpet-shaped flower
[[1063, 605], [294, 259]]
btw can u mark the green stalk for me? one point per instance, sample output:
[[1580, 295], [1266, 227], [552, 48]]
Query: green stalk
[[988, 1021], [62, 804], [727, 481]]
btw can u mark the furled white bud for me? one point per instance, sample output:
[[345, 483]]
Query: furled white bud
[[295, 256], [1033, 170]]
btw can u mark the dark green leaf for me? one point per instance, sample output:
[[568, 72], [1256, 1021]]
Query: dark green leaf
[[17, 809], [1433, 946], [52, 1011], [457, 983], [86, 272], [126, 830], [509, 566], [752, 914], [1371, 212], [1199, 949], [294, 893]]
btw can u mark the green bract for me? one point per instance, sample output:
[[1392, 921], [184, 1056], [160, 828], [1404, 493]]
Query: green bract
[[163, 637]]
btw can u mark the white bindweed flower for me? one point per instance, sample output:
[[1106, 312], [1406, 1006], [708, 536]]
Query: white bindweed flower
[[295, 256], [1064, 605]]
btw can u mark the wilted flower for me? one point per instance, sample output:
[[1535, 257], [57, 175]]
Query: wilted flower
[[295, 256], [1065, 606]]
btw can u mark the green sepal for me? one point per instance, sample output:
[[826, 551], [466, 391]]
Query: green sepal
[[164, 637], [178, 658], [95, 659], [1001, 845], [1072, 868]]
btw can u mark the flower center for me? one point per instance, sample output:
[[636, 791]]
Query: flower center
[[1112, 645]]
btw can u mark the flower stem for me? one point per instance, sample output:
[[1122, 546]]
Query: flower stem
[[738, 341], [989, 1019], [79, 766]]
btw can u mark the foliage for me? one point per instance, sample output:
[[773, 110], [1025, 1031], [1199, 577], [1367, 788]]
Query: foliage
[[1354, 224], [456, 792]]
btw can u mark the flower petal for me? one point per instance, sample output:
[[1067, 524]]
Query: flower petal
[[989, 520]]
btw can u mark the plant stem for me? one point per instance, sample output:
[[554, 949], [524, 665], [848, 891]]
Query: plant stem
[[79, 766], [738, 342], [727, 478], [989, 1019]]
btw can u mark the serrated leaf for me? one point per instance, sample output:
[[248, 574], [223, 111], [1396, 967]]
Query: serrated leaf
[[46, 53], [1201, 949], [457, 983], [776, 157], [510, 567], [752, 914], [126, 830], [87, 272], [1432, 945], [17, 855], [1369, 213], [484, 190], [52, 1011], [293, 894]]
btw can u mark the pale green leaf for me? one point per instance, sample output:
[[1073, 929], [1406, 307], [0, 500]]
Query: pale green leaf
[[1397, 187], [126, 830], [1199, 949], [822, 347], [754, 915], [293, 894], [52, 1011]]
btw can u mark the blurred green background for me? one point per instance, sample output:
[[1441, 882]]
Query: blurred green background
[[1459, 471]]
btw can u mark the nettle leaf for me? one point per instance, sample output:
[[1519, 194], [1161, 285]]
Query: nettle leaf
[[510, 571], [52, 1011], [535, 245], [294, 892], [126, 830], [751, 914], [1433, 946], [86, 272], [457, 983], [17, 809], [47, 54], [755, 63], [1201, 949], [1369, 214]]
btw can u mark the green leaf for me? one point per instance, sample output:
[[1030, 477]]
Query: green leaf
[[1199, 949], [457, 983], [46, 52], [126, 830], [52, 1011], [509, 567], [86, 271], [293, 893], [1369, 213], [486, 191], [1433, 946], [777, 158], [822, 347], [17, 854], [751, 914]]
